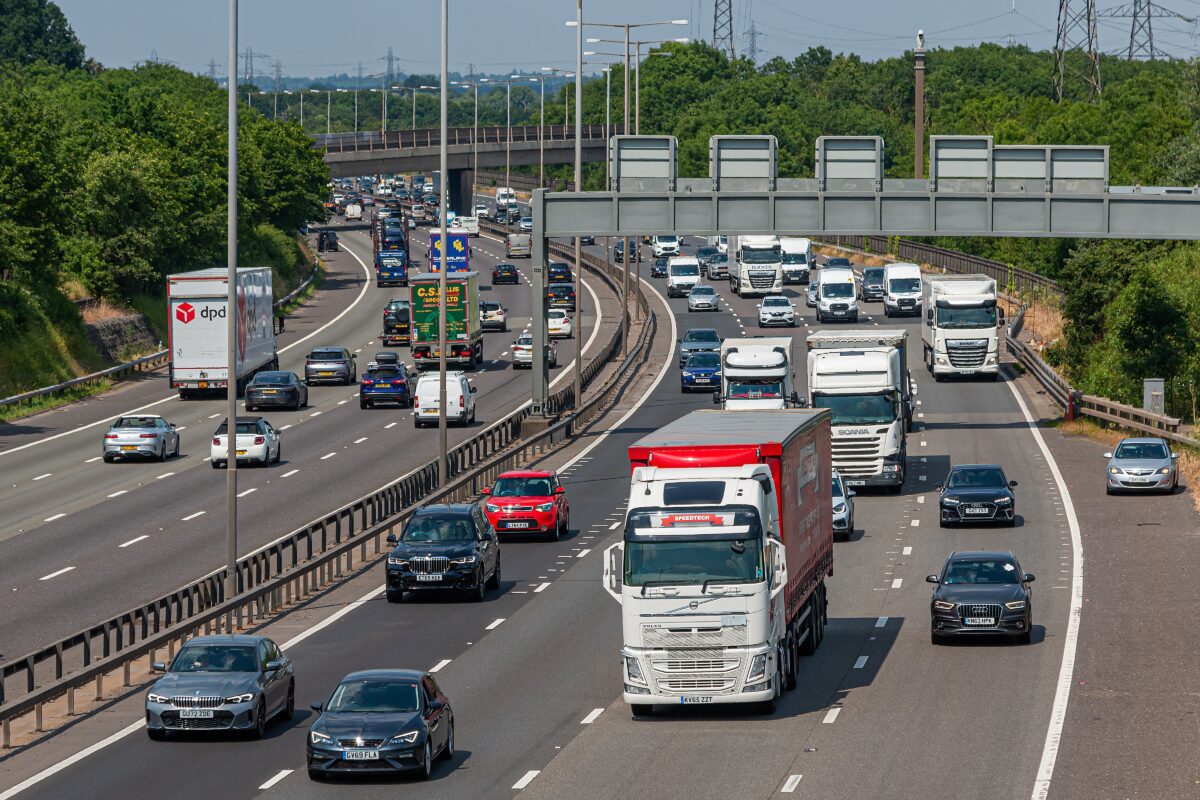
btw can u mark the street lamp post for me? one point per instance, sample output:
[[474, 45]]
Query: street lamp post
[[474, 143], [231, 195], [443, 472], [578, 328]]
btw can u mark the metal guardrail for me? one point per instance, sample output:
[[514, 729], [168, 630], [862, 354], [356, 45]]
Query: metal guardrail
[[431, 137], [301, 563], [144, 364]]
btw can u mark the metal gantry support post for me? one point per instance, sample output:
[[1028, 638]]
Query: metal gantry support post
[[443, 467], [537, 286], [577, 329], [231, 194]]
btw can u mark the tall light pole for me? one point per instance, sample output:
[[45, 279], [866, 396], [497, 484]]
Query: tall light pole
[[445, 247], [231, 200], [414, 90], [578, 328], [474, 142]]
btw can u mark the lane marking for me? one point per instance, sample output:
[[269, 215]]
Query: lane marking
[[328, 455], [340, 403], [591, 717], [897, 583], [391, 424], [790, 784], [924, 443], [439, 666], [214, 416], [362, 439], [831, 715], [332, 618], [861, 662], [541, 588], [90, 460], [289, 473], [921, 499], [193, 516], [248, 491], [916, 523], [47, 475], [119, 493], [615, 525], [56, 516], [71, 760], [495, 624], [285, 427], [62, 571], [316, 413], [283, 773], [907, 551], [134, 541], [583, 552], [526, 779], [881, 622], [164, 475]]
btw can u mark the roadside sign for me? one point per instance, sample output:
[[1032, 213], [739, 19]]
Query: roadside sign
[[456, 257]]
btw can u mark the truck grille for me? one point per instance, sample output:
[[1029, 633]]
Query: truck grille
[[967, 354], [429, 565], [839, 306], [696, 665], [762, 280], [197, 702], [694, 684], [857, 455], [727, 636]]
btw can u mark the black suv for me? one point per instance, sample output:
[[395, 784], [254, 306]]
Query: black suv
[[658, 269], [976, 493], [505, 273], [327, 241], [561, 295], [871, 286], [981, 592], [444, 546]]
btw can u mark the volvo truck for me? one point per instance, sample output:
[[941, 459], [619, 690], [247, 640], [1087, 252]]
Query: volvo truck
[[862, 377], [757, 267], [721, 569], [959, 336], [757, 374]]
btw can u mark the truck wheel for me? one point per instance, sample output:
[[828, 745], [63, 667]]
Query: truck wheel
[[809, 645], [641, 710]]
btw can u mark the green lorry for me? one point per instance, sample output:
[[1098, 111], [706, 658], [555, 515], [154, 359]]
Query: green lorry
[[464, 337]]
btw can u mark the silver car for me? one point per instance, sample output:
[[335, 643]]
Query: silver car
[[221, 683], [332, 365], [698, 340], [843, 508], [142, 436], [1142, 464], [703, 298], [810, 294]]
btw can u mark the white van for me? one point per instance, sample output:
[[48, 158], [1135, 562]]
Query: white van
[[460, 399], [504, 196], [683, 272], [797, 258], [902, 289], [719, 242], [836, 295], [665, 246], [353, 211]]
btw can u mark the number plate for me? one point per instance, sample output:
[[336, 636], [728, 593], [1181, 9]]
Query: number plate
[[518, 524], [241, 452], [270, 391], [839, 313], [430, 578], [129, 447], [700, 380], [196, 713], [1128, 479], [855, 483], [985, 621], [360, 755], [977, 511], [967, 371], [324, 373], [696, 699]]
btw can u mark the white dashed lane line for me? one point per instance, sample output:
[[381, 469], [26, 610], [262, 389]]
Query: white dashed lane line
[[360, 440], [591, 717], [438, 667], [831, 715], [289, 473], [119, 493], [328, 455], [526, 779], [907, 551], [248, 491], [897, 583], [390, 425], [541, 587], [861, 662], [47, 475], [881, 622], [193, 516], [164, 475], [582, 553], [134, 541], [56, 516], [62, 571], [276, 778], [790, 784], [494, 624], [90, 460]]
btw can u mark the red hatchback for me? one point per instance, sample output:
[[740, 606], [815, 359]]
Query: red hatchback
[[528, 500]]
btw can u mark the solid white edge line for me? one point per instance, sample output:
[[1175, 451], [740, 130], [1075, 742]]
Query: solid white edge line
[[1062, 693], [367, 284], [283, 773], [325, 623], [56, 516], [790, 784], [441, 665], [526, 779], [71, 760], [591, 717]]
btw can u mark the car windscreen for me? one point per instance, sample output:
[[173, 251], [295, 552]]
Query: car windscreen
[[326, 355], [904, 285], [706, 252], [438, 529], [136, 422], [703, 361], [985, 571], [842, 290], [718, 258], [698, 560], [976, 478], [521, 487], [795, 258], [668, 239], [702, 335], [215, 658], [837, 262], [272, 379], [703, 291], [685, 270], [776, 301], [971, 317], [373, 697], [872, 409], [1141, 450]]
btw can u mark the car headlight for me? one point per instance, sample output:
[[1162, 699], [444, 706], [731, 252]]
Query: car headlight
[[491, 509], [687, 374], [1114, 471], [840, 508], [316, 737], [1002, 501], [240, 698], [943, 605], [157, 698], [949, 501], [758, 668], [544, 507], [393, 561], [464, 560], [1015, 605], [404, 738], [1165, 471], [634, 670]]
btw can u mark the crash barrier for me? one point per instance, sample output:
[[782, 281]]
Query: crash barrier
[[303, 563], [144, 364]]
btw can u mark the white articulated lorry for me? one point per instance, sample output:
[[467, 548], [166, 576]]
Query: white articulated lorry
[[959, 335], [862, 377], [721, 569], [198, 332], [757, 267], [757, 374]]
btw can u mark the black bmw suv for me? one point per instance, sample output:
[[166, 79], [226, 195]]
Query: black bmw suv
[[981, 592], [976, 493], [444, 546]]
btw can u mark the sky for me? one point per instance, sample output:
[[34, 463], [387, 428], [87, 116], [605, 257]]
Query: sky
[[325, 37]]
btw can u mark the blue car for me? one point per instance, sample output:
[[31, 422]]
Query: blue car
[[385, 383], [702, 371]]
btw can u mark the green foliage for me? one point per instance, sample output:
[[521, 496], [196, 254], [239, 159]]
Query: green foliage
[[36, 30]]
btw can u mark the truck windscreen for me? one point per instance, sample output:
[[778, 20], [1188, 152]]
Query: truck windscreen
[[693, 545], [966, 317], [869, 409], [794, 258], [765, 256], [754, 390]]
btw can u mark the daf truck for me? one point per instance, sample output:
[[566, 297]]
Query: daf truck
[[959, 336], [464, 334], [198, 329], [721, 569], [862, 377], [757, 374], [757, 267]]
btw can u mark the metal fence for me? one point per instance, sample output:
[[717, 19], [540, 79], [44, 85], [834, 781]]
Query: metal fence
[[432, 137], [303, 562]]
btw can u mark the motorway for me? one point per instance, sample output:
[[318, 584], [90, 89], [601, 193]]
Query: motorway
[[534, 678], [82, 540]]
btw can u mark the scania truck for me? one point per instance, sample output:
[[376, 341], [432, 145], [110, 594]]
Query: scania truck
[[721, 571], [756, 373], [959, 336], [198, 329], [862, 377], [757, 267]]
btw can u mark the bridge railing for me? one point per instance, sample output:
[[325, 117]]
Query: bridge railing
[[431, 137]]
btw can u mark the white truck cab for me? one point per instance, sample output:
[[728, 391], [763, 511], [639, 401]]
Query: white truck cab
[[757, 267], [901, 289], [837, 298], [959, 335], [683, 272], [756, 373]]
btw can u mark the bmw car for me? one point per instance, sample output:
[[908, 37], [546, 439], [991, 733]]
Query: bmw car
[[975, 493], [141, 436], [528, 501], [1142, 464], [981, 593], [215, 683], [702, 371], [381, 721], [444, 546]]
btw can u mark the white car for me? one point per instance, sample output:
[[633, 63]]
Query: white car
[[492, 316], [776, 309], [460, 399], [522, 352], [468, 224], [257, 443], [558, 324], [482, 211]]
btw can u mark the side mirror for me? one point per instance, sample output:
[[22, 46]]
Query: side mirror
[[758, 305], [391, 539], [940, 486], [851, 493], [1012, 484], [932, 579], [315, 706], [474, 389], [1029, 577], [274, 666], [1174, 456], [436, 705], [560, 490], [1109, 455], [172, 425], [354, 355], [159, 666], [486, 490]]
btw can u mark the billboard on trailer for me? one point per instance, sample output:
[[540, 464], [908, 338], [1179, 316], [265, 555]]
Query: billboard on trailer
[[457, 257]]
